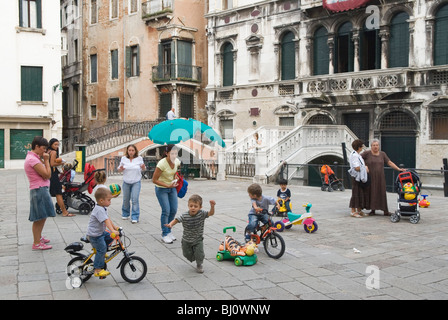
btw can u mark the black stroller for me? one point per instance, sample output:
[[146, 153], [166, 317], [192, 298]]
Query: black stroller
[[73, 194], [408, 187], [330, 182]]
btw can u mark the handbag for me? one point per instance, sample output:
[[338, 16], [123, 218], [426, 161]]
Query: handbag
[[365, 184], [182, 185]]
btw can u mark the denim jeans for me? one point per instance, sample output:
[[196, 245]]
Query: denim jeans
[[168, 202], [131, 192], [253, 222], [100, 244]]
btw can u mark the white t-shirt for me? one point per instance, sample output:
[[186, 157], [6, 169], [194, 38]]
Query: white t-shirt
[[132, 169]]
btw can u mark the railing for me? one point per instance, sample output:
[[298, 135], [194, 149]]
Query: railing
[[155, 8], [241, 164], [109, 136], [181, 72]]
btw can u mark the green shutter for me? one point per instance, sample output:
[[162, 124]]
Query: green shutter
[[137, 72], [21, 13], [441, 37], [227, 68], [184, 59], [31, 83], [186, 105], [93, 68], [288, 57], [20, 142], [128, 61], [399, 41], [39, 13], [164, 104], [114, 63], [344, 54], [321, 52]]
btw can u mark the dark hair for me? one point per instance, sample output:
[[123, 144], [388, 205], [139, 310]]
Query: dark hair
[[135, 148], [39, 141], [255, 189], [283, 181], [356, 144], [168, 149], [50, 146]]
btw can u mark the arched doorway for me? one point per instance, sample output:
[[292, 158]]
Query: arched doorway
[[398, 131]]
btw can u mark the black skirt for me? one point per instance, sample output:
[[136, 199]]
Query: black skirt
[[55, 184]]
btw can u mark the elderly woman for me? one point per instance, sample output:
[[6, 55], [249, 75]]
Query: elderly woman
[[358, 171], [376, 160]]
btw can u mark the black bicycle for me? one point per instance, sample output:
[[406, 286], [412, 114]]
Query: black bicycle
[[132, 268]]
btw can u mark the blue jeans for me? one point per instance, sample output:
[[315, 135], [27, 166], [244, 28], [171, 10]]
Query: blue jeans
[[168, 202], [100, 244], [131, 192], [253, 222]]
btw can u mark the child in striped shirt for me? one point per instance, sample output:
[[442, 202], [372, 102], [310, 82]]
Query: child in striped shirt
[[193, 223]]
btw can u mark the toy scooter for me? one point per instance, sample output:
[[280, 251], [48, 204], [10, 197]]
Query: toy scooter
[[424, 203], [306, 219], [230, 249]]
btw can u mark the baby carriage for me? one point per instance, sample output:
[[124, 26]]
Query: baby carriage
[[330, 182], [408, 187], [74, 196]]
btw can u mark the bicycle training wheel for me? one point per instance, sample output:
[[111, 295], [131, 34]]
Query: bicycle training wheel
[[77, 268], [134, 269], [274, 245]]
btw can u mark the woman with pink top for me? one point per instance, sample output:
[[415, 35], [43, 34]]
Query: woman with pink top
[[38, 170]]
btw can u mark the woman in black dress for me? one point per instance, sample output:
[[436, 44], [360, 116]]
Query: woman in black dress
[[55, 184]]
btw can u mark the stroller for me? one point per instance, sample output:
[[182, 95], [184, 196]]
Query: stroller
[[74, 196], [330, 182], [408, 188]]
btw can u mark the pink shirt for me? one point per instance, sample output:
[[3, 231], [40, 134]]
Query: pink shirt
[[35, 179]]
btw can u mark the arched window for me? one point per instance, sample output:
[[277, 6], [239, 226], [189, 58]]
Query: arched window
[[227, 65], [441, 36], [321, 53], [344, 49], [288, 62], [370, 49], [399, 41]]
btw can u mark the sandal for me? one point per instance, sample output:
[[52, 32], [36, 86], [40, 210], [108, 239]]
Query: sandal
[[355, 215], [68, 214]]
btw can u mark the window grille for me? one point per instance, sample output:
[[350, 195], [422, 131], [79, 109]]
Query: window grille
[[320, 119], [439, 125], [397, 120], [286, 90]]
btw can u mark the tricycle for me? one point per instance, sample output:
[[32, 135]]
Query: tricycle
[[306, 219]]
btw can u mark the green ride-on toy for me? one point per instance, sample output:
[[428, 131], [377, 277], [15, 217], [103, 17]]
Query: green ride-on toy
[[230, 249]]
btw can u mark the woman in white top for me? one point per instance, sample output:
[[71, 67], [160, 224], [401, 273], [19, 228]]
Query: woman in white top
[[166, 192], [131, 165], [358, 171]]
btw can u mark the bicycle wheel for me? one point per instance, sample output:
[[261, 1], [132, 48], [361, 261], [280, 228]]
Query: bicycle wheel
[[274, 245], [134, 269], [77, 268]]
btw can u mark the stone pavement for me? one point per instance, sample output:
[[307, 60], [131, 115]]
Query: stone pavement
[[395, 261]]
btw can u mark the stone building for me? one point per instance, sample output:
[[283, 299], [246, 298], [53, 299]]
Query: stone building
[[31, 77], [380, 69], [140, 58]]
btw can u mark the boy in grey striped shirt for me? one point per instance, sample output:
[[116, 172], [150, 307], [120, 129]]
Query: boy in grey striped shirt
[[193, 223]]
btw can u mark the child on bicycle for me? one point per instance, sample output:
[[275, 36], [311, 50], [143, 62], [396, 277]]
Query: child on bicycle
[[96, 230], [193, 223], [259, 210], [284, 194]]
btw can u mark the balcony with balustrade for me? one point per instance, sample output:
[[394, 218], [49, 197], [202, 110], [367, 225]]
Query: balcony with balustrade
[[176, 72], [155, 9]]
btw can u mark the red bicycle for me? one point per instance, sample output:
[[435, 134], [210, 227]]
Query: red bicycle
[[273, 243]]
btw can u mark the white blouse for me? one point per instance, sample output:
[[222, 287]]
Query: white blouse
[[132, 169]]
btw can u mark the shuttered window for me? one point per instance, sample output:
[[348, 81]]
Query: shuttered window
[[288, 63], [113, 109], [165, 104], [31, 83], [344, 49], [370, 49], [93, 68], [186, 105], [114, 64], [227, 65], [321, 53], [399, 41], [184, 59], [133, 61], [441, 37], [20, 142], [30, 13]]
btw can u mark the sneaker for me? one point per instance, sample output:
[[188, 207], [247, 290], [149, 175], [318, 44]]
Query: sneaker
[[41, 246], [44, 240], [124, 218], [102, 273], [171, 236], [134, 221], [167, 239], [199, 268]]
